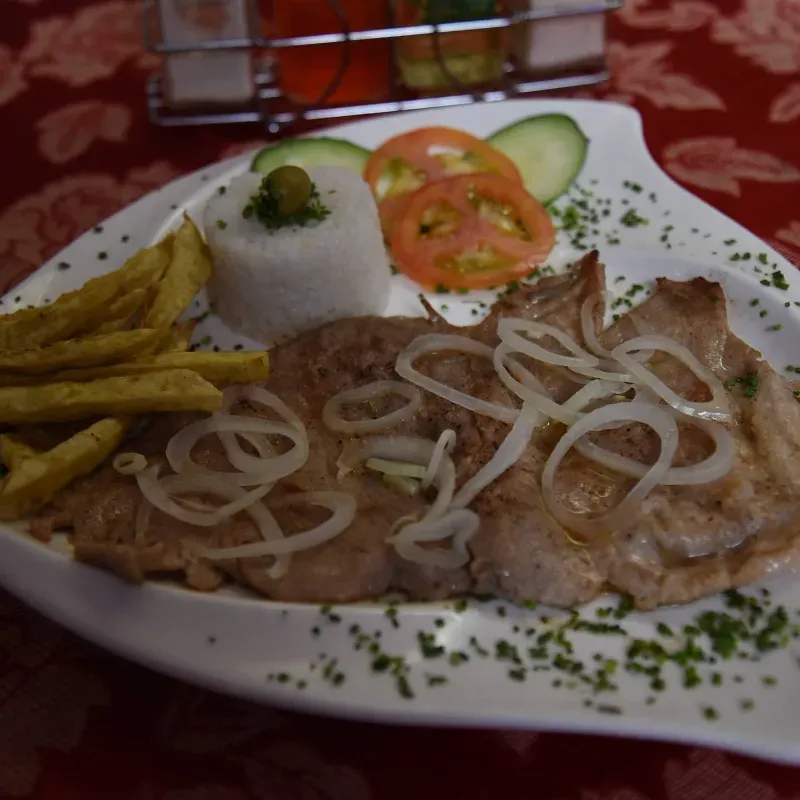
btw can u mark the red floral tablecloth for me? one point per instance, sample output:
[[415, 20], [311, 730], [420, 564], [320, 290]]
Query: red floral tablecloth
[[718, 85]]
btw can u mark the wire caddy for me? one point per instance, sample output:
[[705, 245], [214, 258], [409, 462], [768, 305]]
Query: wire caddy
[[273, 111]]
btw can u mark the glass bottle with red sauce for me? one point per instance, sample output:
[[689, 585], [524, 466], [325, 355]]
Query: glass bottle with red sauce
[[306, 72]]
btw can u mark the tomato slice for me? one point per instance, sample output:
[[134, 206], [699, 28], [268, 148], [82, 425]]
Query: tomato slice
[[407, 162], [471, 232]]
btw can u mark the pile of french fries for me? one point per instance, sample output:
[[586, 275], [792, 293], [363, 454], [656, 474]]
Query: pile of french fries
[[105, 353]]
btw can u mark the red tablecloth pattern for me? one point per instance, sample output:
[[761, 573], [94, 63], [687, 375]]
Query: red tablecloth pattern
[[718, 85]]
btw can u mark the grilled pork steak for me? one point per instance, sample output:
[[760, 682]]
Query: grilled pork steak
[[694, 541], [689, 540], [102, 508]]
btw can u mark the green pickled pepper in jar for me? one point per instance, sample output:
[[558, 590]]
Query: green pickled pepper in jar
[[466, 58]]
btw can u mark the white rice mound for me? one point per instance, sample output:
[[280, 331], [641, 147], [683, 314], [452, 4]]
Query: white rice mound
[[272, 285]]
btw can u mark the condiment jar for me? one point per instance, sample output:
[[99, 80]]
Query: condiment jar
[[445, 61], [360, 69], [205, 77]]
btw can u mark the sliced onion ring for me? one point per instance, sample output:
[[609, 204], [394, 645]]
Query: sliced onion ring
[[437, 343], [330, 412], [129, 463], [717, 408], [444, 444], [532, 391], [625, 514], [587, 323], [507, 330], [590, 334], [592, 392], [713, 468], [604, 374], [513, 446], [343, 512], [259, 395], [260, 443], [158, 493], [460, 524], [509, 452], [255, 470]]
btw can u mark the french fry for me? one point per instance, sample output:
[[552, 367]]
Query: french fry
[[85, 308], [144, 268], [86, 352], [34, 481], [188, 272], [244, 367], [13, 451], [225, 367], [167, 390], [114, 326], [85, 356], [179, 337], [70, 313], [46, 436], [122, 311]]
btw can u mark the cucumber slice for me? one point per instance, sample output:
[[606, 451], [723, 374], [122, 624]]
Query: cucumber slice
[[309, 153], [549, 151]]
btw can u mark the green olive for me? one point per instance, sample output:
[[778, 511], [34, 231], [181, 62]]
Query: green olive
[[290, 187]]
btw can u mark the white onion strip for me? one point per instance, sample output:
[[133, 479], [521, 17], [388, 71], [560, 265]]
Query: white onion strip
[[535, 394], [408, 449], [509, 452], [254, 469], [588, 328], [445, 444], [716, 466], [158, 493], [257, 394], [399, 468], [717, 408], [330, 412], [259, 442], [592, 392], [343, 511], [536, 397], [507, 330], [581, 362], [260, 471], [460, 524], [437, 343], [590, 333], [402, 483], [625, 514], [604, 374]]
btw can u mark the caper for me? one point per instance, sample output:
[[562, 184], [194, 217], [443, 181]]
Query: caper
[[290, 187]]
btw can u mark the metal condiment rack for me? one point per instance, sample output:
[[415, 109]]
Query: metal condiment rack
[[273, 112]]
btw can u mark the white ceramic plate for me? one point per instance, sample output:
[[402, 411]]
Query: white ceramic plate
[[291, 655]]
